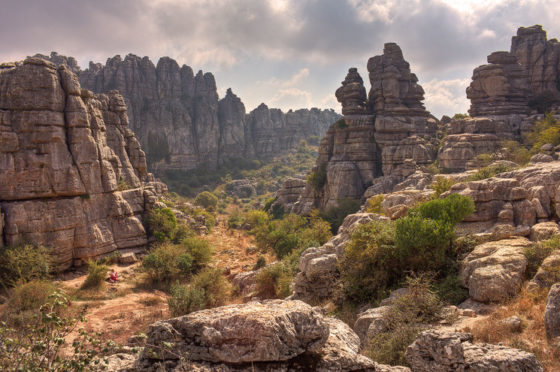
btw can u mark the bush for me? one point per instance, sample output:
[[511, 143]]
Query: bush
[[29, 296], [335, 215], [274, 281], [215, 286], [168, 262], [256, 218], [515, 152], [261, 262], [379, 252], [161, 223], [544, 131], [289, 233], [185, 299], [96, 275], [440, 185], [24, 263], [368, 266], [318, 177], [375, 204], [235, 220], [207, 200], [405, 320], [490, 171], [39, 344], [537, 252]]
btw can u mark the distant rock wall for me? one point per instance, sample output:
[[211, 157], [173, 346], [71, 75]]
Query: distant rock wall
[[72, 175], [180, 120]]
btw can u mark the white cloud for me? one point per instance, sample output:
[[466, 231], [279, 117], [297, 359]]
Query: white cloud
[[291, 98], [446, 97]]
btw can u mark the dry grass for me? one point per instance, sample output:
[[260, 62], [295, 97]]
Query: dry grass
[[529, 307]]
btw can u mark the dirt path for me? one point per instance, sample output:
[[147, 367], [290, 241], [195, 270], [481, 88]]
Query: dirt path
[[119, 310]]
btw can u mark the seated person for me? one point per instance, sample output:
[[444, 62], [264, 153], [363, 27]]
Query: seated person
[[113, 276]]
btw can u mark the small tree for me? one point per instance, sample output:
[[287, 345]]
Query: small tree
[[207, 200]]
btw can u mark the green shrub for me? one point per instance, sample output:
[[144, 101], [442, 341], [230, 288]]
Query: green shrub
[[379, 252], [405, 320], [537, 252], [268, 203], [544, 131], [277, 211], [29, 296], [97, 273], [375, 204], [274, 281], [451, 290], [368, 266], [261, 262], [318, 177], [256, 218], [235, 220], [207, 200], [336, 215], [185, 299], [515, 152], [214, 285], [161, 223], [490, 171], [24, 263], [440, 185], [460, 116], [41, 343], [169, 262], [199, 249], [289, 233]]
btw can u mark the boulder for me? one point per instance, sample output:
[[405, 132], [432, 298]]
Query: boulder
[[544, 230], [352, 94], [541, 158], [493, 271], [552, 312], [548, 273], [370, 323], [269, 336], [442, 351]]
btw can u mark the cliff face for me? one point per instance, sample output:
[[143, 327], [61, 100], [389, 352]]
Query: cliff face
[[504, 94], [181, 122], [380, 140], [72, 175]]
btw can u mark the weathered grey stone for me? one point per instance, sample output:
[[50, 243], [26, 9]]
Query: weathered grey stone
[[552, 312], [441, 351], [73, 176], [544, 230], [494, 271]]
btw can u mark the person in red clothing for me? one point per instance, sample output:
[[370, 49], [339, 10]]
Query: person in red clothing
[[113, 276]]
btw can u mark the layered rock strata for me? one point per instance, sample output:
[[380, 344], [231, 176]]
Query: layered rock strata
[[72, 175], [181, 122], [387, 134]]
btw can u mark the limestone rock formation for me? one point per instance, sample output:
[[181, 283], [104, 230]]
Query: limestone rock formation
[[499, 88], [180, 120], [352, 94], [540, 58], [370, 323], [518, 198], [72, 175], [494, 271], [394, 89], [440, 351], [389, 134], [548, 273], [552, 312], [268, 336]]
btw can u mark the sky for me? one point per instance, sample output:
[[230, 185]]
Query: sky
[[286, 53]]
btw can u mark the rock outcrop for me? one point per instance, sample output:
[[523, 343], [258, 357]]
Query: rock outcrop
[[387, 134], [440, 351], [493, 271], [540, 58], [552, 312], [72, 175], [180, 120], [269, 336]]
